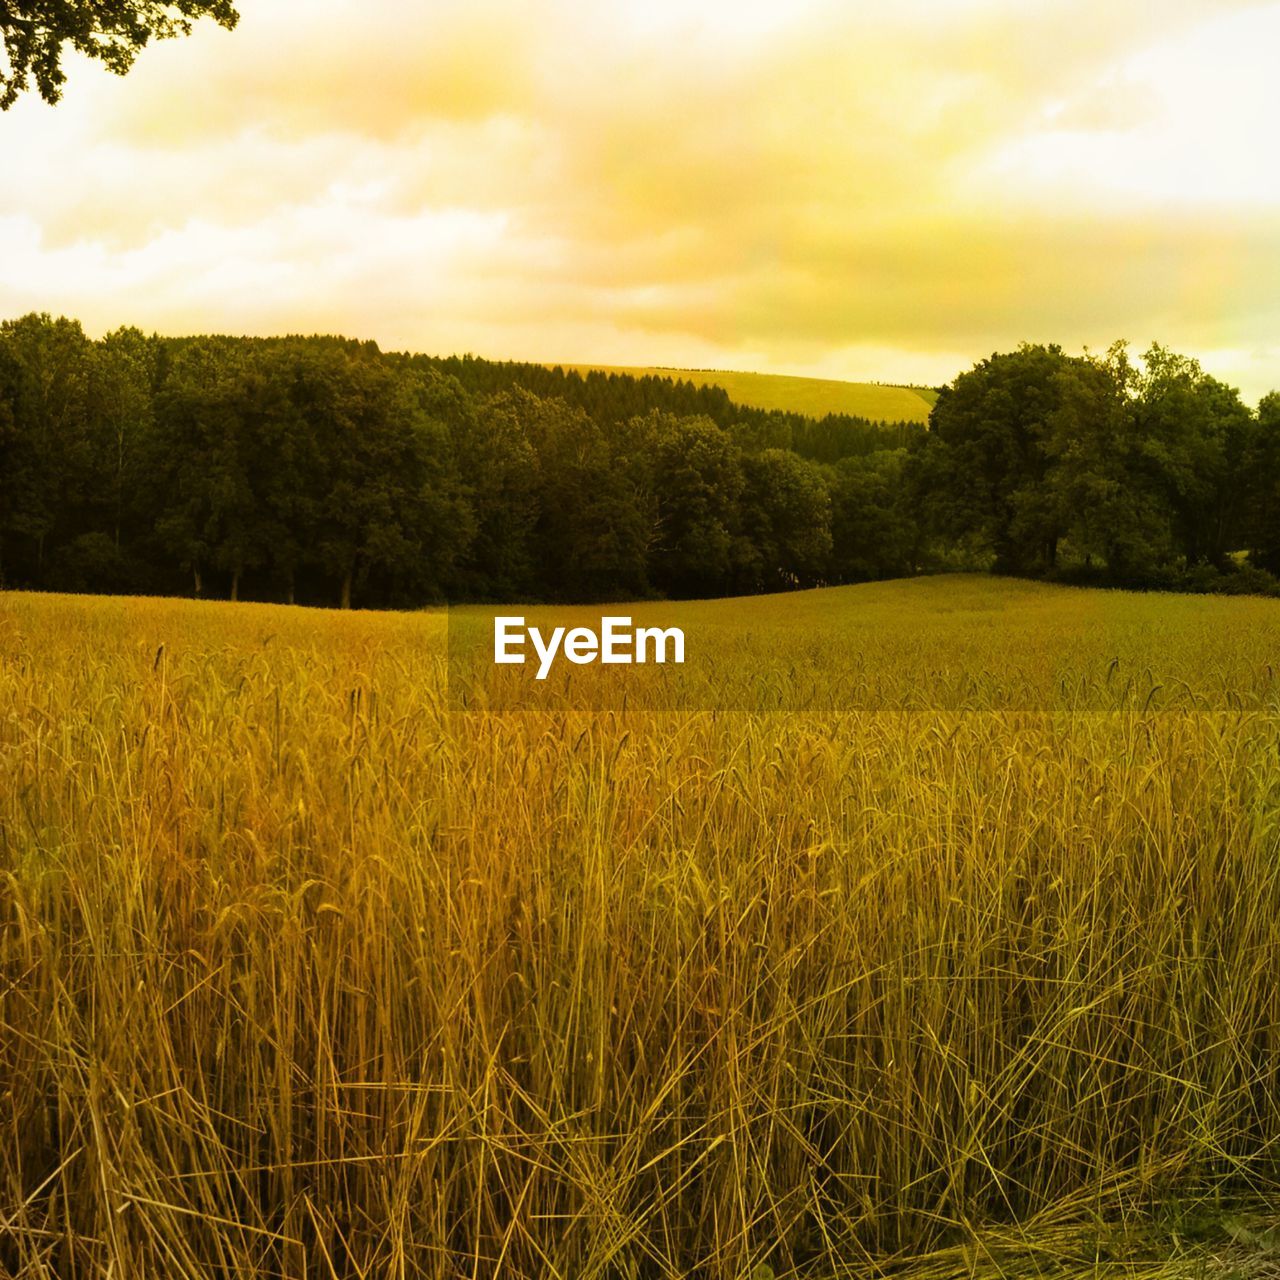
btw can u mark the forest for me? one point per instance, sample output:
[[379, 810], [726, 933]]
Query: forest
[[322, 470]]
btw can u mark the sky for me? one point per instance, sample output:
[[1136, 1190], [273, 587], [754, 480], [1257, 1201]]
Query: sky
[[843, 189]]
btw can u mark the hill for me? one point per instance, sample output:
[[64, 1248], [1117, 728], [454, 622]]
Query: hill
[[812, 397]]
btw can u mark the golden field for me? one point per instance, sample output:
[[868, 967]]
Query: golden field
[[956, 952], [813, 397]]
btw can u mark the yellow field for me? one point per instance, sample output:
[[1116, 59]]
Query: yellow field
[[814, 397], [962, 946]]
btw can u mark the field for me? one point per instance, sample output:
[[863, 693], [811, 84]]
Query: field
[[955, 953], [814, 397]]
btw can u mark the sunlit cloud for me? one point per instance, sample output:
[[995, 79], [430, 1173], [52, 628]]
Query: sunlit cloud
[[1184, 123], [798, 187]]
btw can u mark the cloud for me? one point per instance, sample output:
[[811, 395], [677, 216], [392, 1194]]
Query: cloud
[[750, 184]]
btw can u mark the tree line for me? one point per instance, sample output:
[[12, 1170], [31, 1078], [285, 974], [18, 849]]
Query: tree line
[[323, 470], [1101, 468]]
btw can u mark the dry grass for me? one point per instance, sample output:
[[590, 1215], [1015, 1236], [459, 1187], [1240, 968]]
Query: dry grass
[[305, 972]]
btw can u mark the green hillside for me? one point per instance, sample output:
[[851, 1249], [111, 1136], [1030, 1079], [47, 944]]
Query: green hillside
[[814, 397]]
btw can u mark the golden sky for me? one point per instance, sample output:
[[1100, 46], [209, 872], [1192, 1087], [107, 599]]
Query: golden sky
[[883, 191]]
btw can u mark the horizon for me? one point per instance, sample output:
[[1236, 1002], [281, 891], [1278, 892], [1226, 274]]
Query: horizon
[[633, 370]]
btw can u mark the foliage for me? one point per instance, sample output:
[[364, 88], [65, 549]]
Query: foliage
[[1148, 472], [319, 469], [873, 531], [788, 521], [693, 485], [1262, 487], [322, 470], [35, 33]]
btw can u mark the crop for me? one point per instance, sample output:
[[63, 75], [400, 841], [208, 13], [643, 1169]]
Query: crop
[[906, 918]]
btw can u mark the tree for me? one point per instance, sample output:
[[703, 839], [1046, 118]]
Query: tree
[[1262, 532], [500, 470], [124, 388], [212, 510], [690, 472], [391, 503], [590, 539], [874, 532], [46, 378], [11, 459], [991, 428], [786, 515], [1197, 434], [1102, 476], [319, 468], [36, 32]]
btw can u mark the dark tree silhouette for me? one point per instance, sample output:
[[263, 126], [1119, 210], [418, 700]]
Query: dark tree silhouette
[[36, 33], [321, 470]]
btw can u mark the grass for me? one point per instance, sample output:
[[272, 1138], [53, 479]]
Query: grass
[[314, 962], [813, 397]]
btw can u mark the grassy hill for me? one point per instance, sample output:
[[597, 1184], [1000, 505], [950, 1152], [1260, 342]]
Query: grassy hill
[[814, 397], [934, 920]]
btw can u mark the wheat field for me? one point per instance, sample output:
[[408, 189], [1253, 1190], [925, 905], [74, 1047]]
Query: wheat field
[[956, 953]]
